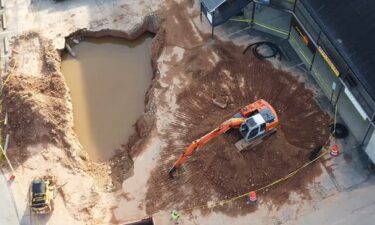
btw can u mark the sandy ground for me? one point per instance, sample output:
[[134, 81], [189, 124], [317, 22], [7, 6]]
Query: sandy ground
[[189, 70], [40, 110]]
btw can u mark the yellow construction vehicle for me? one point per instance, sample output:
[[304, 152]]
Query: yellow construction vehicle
[[41, 195]]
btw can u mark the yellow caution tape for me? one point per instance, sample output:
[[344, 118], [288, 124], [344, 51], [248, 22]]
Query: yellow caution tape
[[264, 25], [18, 178], [223, 202], [290, 175]]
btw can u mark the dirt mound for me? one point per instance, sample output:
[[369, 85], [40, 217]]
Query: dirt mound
[[218, 171], [36, 109], [35, 95], [40, 112]]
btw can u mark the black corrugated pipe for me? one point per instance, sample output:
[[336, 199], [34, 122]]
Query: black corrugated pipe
[[276, 51]]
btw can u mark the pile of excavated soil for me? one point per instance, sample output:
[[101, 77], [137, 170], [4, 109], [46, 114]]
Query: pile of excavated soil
[[36, 105], [30, 124], [217, 170], [39, 112]]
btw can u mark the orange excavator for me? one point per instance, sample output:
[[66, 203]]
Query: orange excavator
[[254, 121]]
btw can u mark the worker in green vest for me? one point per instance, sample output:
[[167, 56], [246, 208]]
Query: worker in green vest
[[175, 217]]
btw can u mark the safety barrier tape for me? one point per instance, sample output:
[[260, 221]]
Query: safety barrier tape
[[275, 29], [290, 175], [278, 30], [300, 50], [5, 82], [308, 61], [297, 46], [1, 107], [257, 22], [270, 27], [19, 179], [285, 1], [223, 202], [323, 85]]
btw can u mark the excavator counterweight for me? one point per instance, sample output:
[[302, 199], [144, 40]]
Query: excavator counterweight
[[254, 121]]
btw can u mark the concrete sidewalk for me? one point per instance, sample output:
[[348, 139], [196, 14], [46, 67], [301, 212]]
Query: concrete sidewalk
[[8, 213], [355, 206]]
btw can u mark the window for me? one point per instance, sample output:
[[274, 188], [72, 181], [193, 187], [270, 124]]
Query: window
[[359, 92], [283, 4], [253, 133], [262, 127], [251, 122], [307, 21], [244, 130]]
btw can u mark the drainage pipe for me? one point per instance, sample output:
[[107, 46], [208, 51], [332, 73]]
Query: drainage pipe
[[69, 49]]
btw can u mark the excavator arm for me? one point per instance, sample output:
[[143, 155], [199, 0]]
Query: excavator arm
[[195, 145]]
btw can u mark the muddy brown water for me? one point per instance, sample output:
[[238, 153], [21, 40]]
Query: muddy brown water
[[108, 81]]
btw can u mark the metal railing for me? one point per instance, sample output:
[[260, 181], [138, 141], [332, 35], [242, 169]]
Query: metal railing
[[297, 11]]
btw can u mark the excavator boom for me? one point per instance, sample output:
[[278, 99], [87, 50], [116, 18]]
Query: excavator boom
[[224, 127], [254, 121]]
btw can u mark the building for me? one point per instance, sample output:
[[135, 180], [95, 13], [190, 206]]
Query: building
[[334, 41]]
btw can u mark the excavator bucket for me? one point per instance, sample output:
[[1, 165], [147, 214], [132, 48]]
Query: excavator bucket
[[242, 145], [177, 171]]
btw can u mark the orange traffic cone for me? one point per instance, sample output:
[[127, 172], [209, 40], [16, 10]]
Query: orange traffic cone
[[335, 150], [252, 198], [11, 177]]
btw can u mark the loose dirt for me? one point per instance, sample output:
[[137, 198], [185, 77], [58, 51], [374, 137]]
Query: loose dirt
[[190, 70], [218, 171], [37, 106]]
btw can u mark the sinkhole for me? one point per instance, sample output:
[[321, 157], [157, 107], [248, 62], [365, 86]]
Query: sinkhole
[[108, 80]]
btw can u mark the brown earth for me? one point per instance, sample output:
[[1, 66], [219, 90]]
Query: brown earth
[[37, 106], [40, 113], [218, 171]]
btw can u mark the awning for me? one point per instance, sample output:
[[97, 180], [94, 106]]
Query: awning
[[350, 26], [211, 5]]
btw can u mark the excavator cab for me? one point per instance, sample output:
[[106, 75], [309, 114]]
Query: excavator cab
[[41, 196], [253, 127]]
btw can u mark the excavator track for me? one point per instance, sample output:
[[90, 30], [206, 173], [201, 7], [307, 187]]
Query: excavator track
[[242, 145]]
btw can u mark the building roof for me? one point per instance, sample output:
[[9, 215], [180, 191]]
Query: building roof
[[211, 5], [350, 26]]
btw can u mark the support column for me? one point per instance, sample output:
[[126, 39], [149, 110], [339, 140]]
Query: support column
[[212, 25], [201, 13], [252, 14], [339, 94], [316, 49], [290, 23], [368, 129]]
